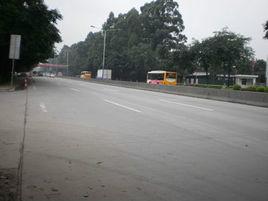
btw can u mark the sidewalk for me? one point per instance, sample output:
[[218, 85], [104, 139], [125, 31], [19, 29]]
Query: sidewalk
[[6, 87], [12, 108]]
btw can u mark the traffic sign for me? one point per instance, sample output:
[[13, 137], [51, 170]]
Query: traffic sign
[[14, 49]]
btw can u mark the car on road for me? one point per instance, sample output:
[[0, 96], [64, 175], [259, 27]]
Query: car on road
[[50, 74], [40, 74], [53, 75]]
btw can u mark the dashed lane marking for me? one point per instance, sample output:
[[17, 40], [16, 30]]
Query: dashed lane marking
[[123, 106], [43, 107], [188, 105], [73, 89]]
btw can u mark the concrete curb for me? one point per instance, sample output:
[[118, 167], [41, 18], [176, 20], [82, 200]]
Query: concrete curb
[[7, 89], [227, 95]]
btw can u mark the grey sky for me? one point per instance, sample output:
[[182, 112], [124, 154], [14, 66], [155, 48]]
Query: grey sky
[[201, 18]]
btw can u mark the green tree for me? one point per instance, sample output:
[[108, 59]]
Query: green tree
[[203, 55], [62, 56], [184, 60], [141, 60], [260, 69], [226, 52], [162, 26], [232, 51], [36, 24], [94, 52]]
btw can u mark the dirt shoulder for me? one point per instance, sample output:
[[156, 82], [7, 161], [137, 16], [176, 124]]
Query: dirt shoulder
[[12, 107], [8, 184]]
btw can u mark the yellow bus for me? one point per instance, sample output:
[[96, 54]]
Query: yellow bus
[[85, 75], [162, 77]]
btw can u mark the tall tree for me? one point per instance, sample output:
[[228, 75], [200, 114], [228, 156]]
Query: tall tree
[[162, 25], [183, 60], [232, 50], [36, 24], [94, 52], [203, 55], [259, 68], [224, 53]]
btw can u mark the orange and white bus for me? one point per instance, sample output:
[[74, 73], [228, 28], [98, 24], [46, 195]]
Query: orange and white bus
[[162, 77]]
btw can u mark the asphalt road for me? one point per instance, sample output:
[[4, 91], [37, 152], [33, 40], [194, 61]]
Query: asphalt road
[[88, 141]]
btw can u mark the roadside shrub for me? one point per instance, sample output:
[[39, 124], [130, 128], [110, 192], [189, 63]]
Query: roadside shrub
[[216, 86], [236, 87], [260, 89], [208, 86], [251, 88], [198, 85], [266, 89]]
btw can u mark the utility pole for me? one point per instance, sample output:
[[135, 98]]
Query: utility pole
[[104, 52], [104, 47]]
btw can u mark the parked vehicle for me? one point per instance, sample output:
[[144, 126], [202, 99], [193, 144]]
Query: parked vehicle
[[40, 74]]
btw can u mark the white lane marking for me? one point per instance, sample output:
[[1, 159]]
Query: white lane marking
[[77, 90], [123, 106], [43, 107], [187, 105], [110, 90], [82, 84]]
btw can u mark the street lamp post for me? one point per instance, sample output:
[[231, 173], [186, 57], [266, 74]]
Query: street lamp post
[[104, 48], [104, 51]]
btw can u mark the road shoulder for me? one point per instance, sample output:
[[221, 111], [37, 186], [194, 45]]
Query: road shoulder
[[12, 114]]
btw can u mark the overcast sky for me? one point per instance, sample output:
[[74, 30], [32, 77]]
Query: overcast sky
[[201, 18]]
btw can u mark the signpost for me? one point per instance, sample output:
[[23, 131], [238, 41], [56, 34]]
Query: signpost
[[14, 52], [266, 72]]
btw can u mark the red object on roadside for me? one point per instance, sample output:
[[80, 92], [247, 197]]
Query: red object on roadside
[[25, 83]]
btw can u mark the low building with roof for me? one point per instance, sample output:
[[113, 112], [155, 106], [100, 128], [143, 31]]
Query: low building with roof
[[196, 78], [246, 80], [201, 78]]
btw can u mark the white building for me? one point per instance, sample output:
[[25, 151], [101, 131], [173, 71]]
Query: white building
[[241, 80], [246, 80]]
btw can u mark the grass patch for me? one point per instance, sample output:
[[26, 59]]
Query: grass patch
[[234, 87], [256, 89], [209, 86]]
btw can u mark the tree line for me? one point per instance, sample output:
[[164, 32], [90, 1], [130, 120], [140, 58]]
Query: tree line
[[138, 41], [152, 38]]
